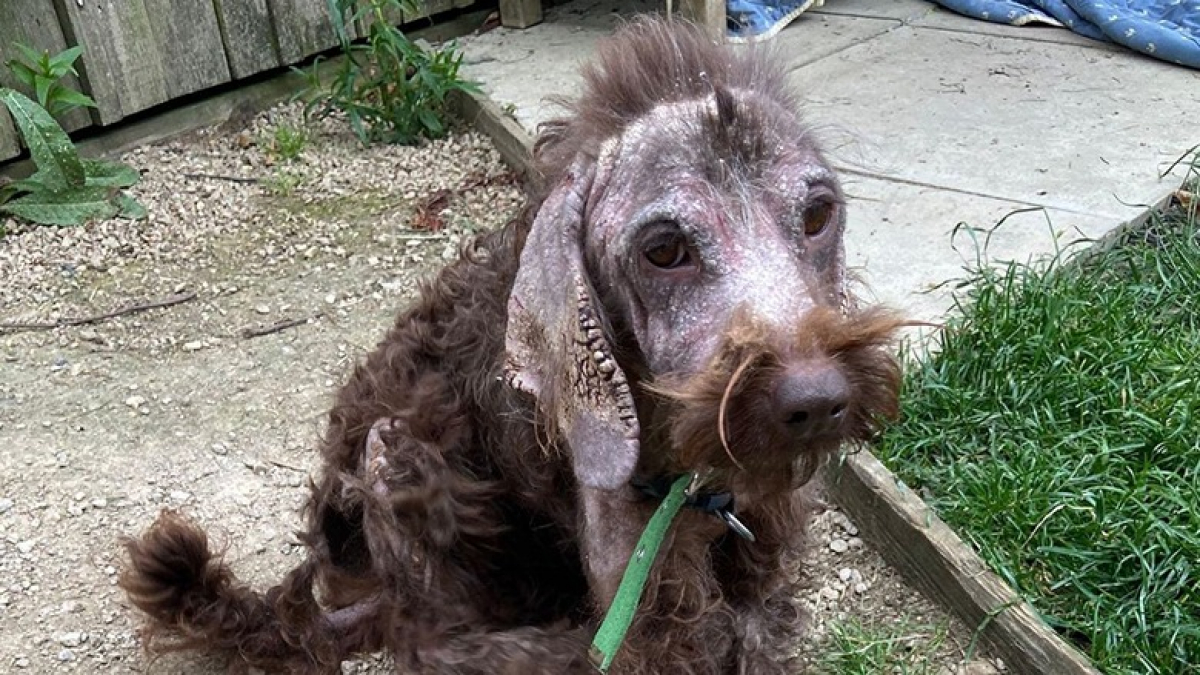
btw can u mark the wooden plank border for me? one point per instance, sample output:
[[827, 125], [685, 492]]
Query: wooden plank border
[[514, 143], [932, 558]]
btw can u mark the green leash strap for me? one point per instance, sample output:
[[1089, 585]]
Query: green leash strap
[[620, 614]]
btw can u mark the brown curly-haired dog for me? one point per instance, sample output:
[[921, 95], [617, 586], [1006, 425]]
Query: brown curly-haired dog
[[673, 302]]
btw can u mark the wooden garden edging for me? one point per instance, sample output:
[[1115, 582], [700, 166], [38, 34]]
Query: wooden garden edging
[[911, 537], [905, 530]]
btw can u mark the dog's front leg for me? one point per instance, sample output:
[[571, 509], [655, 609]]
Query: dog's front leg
[[682, 625]]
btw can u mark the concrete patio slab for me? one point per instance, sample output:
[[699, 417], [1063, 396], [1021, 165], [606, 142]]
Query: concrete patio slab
[[1062, 126], [818, 36], [934, 119], [902, 244], [521, 69]]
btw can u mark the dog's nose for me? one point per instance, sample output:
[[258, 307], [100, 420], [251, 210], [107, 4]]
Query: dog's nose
[[812, 397]]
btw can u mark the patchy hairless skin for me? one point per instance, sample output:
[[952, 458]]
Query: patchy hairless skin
[[740, 229], [672, 302]]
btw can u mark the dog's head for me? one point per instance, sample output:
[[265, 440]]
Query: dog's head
[[683, 282]]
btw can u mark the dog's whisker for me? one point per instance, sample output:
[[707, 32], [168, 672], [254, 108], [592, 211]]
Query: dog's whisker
[[722, 410]]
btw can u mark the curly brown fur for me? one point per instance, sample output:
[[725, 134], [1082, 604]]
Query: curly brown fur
[[477, 505]]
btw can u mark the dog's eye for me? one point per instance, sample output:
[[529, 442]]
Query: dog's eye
[[817, 217], [669, 253]]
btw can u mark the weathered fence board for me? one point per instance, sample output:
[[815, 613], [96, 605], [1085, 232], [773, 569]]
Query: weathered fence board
[[520, 13], [122, 66], [34, 24], [425, 9], [303, 27], [249, 38], [189, 40], [139, 53], [429, 8]]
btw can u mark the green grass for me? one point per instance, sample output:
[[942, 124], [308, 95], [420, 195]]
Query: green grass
[[857, 648], [287, 142], [1058, 430]]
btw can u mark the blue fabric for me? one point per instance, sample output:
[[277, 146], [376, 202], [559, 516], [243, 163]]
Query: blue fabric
[[1165, 29], [755, 20]]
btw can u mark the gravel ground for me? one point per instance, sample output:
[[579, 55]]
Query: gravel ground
[[103, 425]]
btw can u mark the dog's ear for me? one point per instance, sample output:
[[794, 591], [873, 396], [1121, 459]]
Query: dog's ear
[[556, 344]]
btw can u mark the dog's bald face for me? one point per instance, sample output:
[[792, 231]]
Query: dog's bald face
[[708, 207]]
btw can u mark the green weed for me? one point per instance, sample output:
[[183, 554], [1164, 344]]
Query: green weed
[[66, 189], [287, 142], [43, 73], [390, 88], [858, 648], [283, 183]]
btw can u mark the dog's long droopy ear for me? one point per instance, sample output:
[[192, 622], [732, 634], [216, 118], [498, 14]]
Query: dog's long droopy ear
[[556, 345]]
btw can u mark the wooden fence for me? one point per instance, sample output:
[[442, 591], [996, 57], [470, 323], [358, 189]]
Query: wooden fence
[[140, 53]]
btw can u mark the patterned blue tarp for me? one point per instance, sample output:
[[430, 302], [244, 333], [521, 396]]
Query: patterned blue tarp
[[1165, 29]]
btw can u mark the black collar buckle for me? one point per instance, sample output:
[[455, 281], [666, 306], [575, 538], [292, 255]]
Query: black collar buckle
[[719, 504]]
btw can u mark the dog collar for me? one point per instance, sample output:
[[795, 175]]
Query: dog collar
[[719, 504]]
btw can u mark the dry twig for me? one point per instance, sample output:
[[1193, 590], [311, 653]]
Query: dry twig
[[276, 327], [97, 318], [213, 176]]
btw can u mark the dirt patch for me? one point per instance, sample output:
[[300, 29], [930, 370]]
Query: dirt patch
[[102, 426]]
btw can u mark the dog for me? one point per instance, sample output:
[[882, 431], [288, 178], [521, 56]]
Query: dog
[[672, 301]]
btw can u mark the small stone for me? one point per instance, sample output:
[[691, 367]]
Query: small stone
[[6, 505], [829, 593], [180, 496], [21, 662], [845, 574], [99, 503], [860, 588], [66, 655], [72, 639], [135, 401], [839, 546], [25, 547], [855, 542], [219, 449], [72, 607], [90, 335], [193, 346], [262, 309]]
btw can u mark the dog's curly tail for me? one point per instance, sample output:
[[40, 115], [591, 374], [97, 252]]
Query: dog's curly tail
[[194, 601]]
